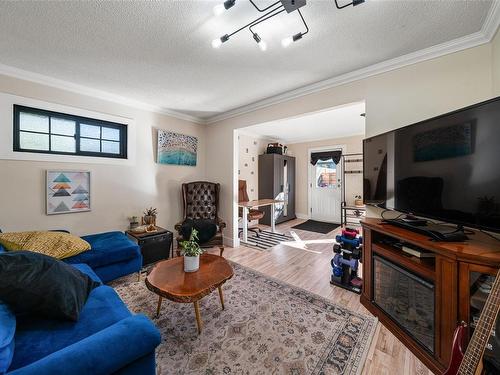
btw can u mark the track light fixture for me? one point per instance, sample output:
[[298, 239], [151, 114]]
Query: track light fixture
[[219, 9], [216, 43], [353, 3], [287, 41], [262, 45], [270, 11]]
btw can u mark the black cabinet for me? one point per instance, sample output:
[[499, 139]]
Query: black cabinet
[[155, 246], [277, 181]]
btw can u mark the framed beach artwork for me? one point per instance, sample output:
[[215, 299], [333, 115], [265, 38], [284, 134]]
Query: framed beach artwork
[[67, 191], [176, 149]]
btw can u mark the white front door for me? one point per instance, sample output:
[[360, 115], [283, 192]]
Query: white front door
[[325, 187]]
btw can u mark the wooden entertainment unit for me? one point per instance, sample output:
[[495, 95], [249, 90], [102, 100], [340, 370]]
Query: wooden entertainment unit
[[447, 286]]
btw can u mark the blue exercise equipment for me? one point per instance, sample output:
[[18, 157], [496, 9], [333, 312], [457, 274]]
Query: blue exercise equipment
[[345, 263]]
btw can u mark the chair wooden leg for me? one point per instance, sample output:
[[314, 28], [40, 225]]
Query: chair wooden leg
[[139, 276], [221, 250]]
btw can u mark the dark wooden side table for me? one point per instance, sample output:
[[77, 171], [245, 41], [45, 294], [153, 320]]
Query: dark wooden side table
[[155, 246]]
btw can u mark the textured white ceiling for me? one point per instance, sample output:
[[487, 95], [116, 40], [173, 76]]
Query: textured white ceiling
[[160, 52], [339, 122]]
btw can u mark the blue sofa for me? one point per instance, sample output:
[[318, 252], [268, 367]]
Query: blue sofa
[[112, 255], [107, 339]]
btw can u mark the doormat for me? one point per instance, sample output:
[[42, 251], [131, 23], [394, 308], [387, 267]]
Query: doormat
[[316, 226], [266, 240]]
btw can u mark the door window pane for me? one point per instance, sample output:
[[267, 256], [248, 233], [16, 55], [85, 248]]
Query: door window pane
[[110, 134], [34, 141], [110, 147], [90, 145], [90, 131], [62, 144], [33, 122], [62, 126], [326, 174]]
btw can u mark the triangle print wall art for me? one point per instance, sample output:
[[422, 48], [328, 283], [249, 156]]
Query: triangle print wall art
[[67, 192]]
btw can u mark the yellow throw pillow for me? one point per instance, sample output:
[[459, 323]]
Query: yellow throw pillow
[[58, 245]]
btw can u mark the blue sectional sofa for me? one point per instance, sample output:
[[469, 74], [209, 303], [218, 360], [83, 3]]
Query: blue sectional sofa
[[112, 255], [107, 338]]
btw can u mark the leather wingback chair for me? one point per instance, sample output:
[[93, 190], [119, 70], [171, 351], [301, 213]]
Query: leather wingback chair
[[201, 201], [252, 214]]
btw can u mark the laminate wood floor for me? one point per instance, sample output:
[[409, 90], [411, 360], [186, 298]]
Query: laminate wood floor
[[308, 267]]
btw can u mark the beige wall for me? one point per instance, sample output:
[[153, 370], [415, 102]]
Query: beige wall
[[353, 183], [118, 188], [496, 64], [393, 99]]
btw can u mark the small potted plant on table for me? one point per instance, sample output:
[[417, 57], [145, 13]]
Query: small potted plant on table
[[149, 219], [191, 251]]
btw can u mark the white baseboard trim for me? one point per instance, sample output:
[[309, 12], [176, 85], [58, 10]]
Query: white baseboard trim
[[301, 216], [228, 241]]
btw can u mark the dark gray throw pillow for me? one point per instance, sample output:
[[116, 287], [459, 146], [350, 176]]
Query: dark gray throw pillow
[[207, 229], [42, 286]]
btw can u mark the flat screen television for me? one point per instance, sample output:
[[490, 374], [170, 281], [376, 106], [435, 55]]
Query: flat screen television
[[446, 168]]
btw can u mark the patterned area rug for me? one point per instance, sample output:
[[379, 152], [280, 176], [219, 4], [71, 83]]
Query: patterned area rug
[[268, 327]]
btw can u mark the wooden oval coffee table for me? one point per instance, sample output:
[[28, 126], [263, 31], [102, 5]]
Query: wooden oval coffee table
[[168, 280]]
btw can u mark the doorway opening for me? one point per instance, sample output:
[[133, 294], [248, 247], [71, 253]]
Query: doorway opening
[[283, 171]]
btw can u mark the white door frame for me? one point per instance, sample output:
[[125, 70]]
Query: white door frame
[[309, 175]]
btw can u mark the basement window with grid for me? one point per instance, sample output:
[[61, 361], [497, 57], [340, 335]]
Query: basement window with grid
[[38, 130]]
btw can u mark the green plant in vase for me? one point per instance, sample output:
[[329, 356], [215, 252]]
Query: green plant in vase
[[191, 251]]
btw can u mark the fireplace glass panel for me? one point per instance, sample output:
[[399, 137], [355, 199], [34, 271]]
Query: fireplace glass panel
[[406, 298]]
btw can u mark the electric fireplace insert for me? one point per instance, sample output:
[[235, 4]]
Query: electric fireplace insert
[[407, 298]]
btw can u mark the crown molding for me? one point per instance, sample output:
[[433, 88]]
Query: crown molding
[[492, 21], [312, 140], [485, 35], [456, 45], [260, 137], [95, 93]]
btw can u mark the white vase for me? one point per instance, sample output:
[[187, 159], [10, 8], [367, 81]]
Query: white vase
[[191, 264]]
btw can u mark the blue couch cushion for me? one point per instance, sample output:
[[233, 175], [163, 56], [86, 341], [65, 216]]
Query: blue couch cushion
[[106, 248], [87, 271], [116, 270], [37, 338], [7, 331]]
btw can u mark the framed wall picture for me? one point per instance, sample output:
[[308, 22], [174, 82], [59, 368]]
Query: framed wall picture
[[67, 191], [176, 149]]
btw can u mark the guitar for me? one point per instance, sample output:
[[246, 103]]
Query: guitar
[[471, 362]]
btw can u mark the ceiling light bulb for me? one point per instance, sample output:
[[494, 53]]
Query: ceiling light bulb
[[219, 9], [230, 3], [287, 41], [262, 45], [216, 43]]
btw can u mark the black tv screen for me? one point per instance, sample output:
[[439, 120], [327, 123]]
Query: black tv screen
[[446, 168]]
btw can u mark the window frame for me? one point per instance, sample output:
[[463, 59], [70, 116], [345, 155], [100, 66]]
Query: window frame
[[122, 128]]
